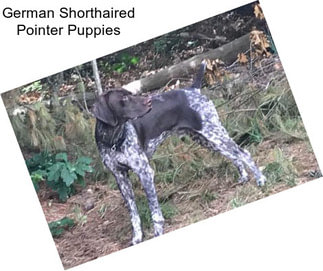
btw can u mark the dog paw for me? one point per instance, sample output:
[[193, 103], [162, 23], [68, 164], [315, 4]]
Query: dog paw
[[261, 181], [136, 239]]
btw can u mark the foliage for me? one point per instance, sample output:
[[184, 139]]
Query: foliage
[[37, 129], [79, 216], [252, 115], [35, 86], [37, 167], [168, 211], [209, 196], [281, 169], [76, 125], [236, 202], [59, 173], [123, 62], [170, 44], [62, 174], [65, 130], [39, 161], [161, 45], [254, 133], [58, 227]]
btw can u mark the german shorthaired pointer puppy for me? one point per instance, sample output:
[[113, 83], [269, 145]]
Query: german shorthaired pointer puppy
[[129, 128]]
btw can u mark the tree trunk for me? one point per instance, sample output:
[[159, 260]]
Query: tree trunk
[[97, 77]]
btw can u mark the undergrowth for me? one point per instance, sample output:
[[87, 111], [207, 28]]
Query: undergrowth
[[168, 210], [281, 169], [58, 172], [250, 114], [57, 228]]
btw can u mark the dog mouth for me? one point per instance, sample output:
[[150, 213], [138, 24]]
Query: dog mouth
[[148, 102]]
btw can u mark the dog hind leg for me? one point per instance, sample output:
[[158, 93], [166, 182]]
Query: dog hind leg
[[227, 147]]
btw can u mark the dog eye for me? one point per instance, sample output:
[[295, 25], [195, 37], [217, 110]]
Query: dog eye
[[125, 98]]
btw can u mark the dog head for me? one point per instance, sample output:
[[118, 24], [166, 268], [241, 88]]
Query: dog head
[[117, 106]]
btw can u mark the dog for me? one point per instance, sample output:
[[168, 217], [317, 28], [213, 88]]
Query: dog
[[129, 128]]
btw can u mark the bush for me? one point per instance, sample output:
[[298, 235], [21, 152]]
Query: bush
[[59, 173]]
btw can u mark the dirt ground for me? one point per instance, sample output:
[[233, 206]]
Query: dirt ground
[[105, 227]]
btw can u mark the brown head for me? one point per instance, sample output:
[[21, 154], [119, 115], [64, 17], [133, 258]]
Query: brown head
[[117, 106]]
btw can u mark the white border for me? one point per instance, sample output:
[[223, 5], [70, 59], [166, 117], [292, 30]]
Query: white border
[[283, 231]]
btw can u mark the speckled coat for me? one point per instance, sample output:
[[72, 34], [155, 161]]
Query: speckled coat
[[132, 153]]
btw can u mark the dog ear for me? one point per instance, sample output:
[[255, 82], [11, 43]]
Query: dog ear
[[102, 111]]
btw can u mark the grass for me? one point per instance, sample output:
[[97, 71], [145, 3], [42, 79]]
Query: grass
[[281, 169], [208, 196], [243, 194], [275, 117], [103, 209], [237, 202], [79, 216], [167, 208]]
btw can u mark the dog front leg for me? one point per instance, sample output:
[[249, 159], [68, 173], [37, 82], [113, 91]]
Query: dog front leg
[[146, 176], [126, 190]]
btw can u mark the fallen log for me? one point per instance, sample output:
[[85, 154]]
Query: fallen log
[[227, 53]]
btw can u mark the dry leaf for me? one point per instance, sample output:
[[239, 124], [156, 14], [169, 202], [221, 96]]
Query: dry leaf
[[209, 65], [215, 71], [29, 98], [242, 58], [259, 42], [258, 12]]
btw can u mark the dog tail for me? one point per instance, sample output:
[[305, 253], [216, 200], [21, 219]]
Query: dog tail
[[200, 75]]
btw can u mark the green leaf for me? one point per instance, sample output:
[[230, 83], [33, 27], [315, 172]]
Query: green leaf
[[40, 160], [63, 192], [84, 160], [54, 172], [82, 165], [121, 69], [36, 86], [80, 169], [62, 156], [58, 227], [39, 174], [134, 60], [70, 167], [80, 181], [68, 176], [125, 57]]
